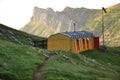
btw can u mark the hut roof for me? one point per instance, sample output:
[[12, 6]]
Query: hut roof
[[77, 34]]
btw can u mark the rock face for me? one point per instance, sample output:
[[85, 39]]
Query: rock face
[[45, 22]]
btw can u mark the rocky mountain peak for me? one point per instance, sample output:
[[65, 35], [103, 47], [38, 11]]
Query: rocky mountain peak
[[53, 20], [39, 13], [67, 8]]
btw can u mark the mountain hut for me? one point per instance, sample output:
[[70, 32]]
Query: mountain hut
[[73, 41]]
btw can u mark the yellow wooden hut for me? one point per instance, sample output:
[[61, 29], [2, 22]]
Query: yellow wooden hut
[[71, 41]]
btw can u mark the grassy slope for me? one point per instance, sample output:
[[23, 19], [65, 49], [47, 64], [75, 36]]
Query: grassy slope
[[110, 56], [38, 29], [79, 67], [16, 36], [18, 59], [111, 25], [19, 62]]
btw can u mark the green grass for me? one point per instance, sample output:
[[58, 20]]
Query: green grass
[[79, 67], [111, 55], [18, 62], [17, 37]]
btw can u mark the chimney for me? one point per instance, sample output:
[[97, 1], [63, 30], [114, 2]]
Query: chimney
[[74, 26]]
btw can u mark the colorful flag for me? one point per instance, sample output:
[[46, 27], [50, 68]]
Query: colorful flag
[[104, 9]]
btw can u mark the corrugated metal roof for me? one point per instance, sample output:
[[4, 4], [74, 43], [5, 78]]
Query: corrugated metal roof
[[77, 34]]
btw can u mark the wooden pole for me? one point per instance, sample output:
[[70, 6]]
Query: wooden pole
[[103, 28]]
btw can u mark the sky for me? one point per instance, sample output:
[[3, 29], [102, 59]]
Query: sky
[[17, 13]]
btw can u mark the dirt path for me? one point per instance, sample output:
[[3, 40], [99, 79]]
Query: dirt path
[[39, 74]]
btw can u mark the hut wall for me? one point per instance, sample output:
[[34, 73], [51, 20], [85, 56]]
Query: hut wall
[[82, 44], [59, 42], [63, 42]]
